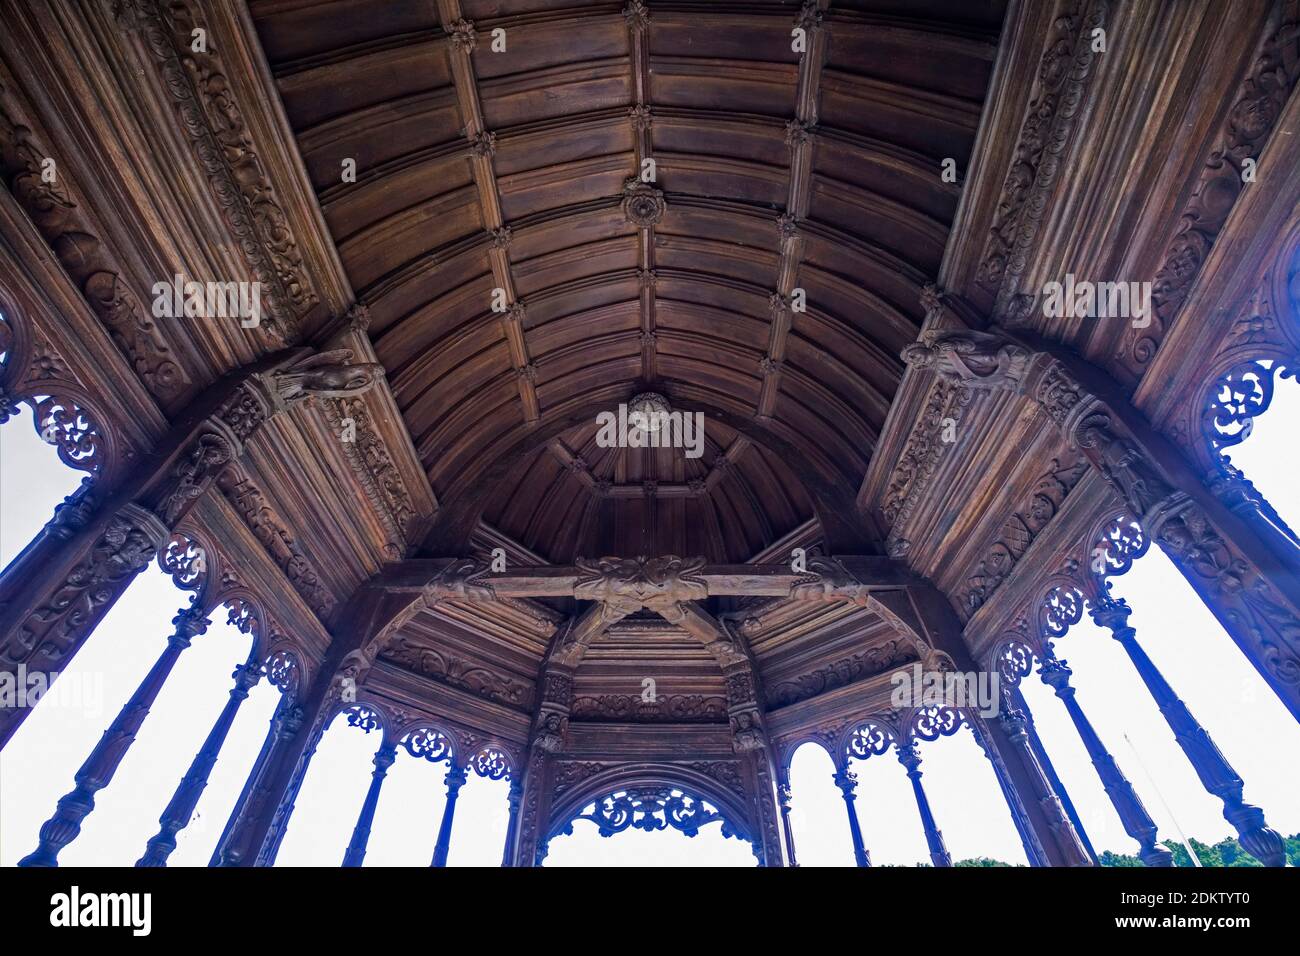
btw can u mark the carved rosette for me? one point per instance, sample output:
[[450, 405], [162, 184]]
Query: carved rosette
[[643, 204]]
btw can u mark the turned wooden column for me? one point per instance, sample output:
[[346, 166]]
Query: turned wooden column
[[1049, 836], [455, 779], [1213, 769], [177, 814], [1013, 725], [1132, 814], [911, 760], [383, 759], [1035, 852], [783, 803], [289, 749], [254, 774], [847, 781], [98, 770], [515, 796], [1058, 787]]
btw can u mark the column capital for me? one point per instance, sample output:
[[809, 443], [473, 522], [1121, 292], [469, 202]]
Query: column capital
[[847, 781], [385, 756], [189, 622], [1056, 674], [246, 676], [1112, 614], [456, 778], [909, 755]]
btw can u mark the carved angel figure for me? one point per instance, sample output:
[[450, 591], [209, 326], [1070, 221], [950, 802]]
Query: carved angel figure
[[325, 375], [974, 358]]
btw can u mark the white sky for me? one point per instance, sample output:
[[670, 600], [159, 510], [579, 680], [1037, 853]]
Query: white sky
[[1250, 726]]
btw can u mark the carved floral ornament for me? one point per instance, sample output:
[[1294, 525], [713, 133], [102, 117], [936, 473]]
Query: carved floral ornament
[[643, 204], [1236, 398], [625, 585], [187, 561], [874, 735], [60, 417], [283, 671]]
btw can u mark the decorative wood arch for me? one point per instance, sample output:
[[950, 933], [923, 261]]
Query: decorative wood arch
[[735, 807]]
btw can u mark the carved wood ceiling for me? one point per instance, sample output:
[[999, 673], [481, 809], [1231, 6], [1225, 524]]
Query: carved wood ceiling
[[480, 170]]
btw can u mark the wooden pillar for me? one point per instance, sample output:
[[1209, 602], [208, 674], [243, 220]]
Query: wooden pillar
[[514, 798], [1133, 815], [97, 772], [847, 781], [1035, 853], [177, 814], [1036, 806], [1213, 769], [1058, 787], [456, 778], [383, 759], [911, 760], [783, 797], [529, 843]]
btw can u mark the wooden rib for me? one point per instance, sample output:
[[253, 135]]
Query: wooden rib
[[481, 149], [799, 137]]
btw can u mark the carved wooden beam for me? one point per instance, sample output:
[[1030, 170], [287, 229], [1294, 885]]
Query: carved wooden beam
[[647, 582]]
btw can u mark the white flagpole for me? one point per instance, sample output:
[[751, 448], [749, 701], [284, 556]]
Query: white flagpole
[[1196, 861]]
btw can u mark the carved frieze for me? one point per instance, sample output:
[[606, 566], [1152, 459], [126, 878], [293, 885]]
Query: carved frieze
[[1250, 123], [271, 530], [839, 673], [1019, 531], [458, 672], [1061, 86], [373, 464], [128, 543], [664, 708], [922, 453], [90, 264], [213, 120]]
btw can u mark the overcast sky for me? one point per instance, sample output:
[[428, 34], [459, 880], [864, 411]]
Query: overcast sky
[[1250, 726]]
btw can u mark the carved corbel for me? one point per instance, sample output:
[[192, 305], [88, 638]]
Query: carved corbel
[[462, 580], [829, 580], [966, 357]]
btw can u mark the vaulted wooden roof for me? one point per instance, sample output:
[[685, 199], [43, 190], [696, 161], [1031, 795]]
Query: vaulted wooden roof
[[480, 168]]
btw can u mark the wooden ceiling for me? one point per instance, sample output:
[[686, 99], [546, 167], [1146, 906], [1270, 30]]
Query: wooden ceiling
[[479, 169]]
